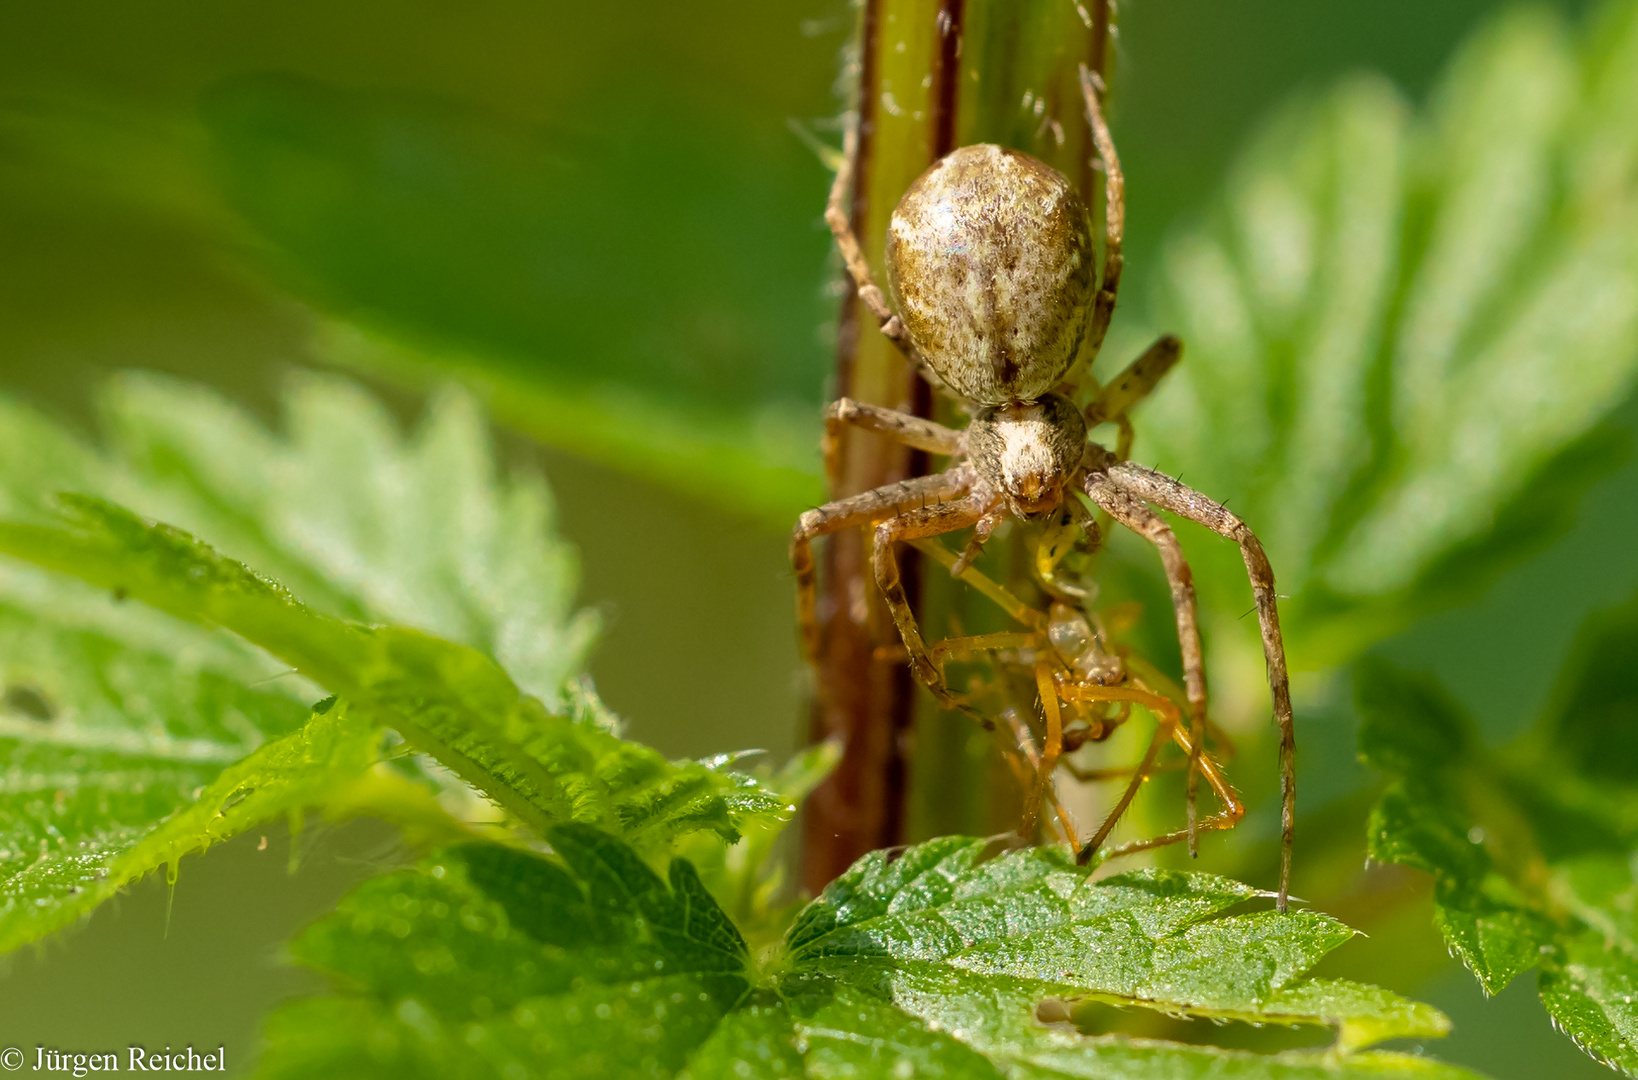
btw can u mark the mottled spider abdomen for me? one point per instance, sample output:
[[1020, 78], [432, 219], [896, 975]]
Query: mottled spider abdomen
[[990, 265]]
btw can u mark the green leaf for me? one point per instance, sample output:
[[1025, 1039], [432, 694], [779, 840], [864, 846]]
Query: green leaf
[[488, 961], [1404, 331], [156, 705], [361, 522], [938, 916], [749, 878], [129, 742], [939, 960], [1533, 847], [449, 701]]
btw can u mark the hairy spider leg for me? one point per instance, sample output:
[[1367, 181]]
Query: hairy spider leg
[[865, 508], [925, 521], [982, 529], [1168, 724], [1114, 218], [858, 268], [901, 427], [1184, 501], [1115, 399], [1126, 508], [1134, 383]]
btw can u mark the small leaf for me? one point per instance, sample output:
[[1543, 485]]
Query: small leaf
[[1589, 993]]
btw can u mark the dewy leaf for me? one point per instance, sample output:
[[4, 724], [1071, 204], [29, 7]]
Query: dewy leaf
[[1533, 847], [133, 735], [1404, 331], [114, 719], [938, 921], [488, 961]]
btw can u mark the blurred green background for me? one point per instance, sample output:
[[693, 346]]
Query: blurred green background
[[596, 211]]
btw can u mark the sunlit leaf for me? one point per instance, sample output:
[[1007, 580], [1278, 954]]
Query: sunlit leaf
[[936, 962], [138, 729]]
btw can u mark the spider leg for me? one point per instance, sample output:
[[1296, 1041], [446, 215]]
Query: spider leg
[[981, 536], [855, 510], [1114, 217], [858, 268], [1006, 601], [1171, 495], [912, 524], [1128, 509], [1050, 751], [1116, 397], [960, 648], [901, 427], [1226, 818], [1166, 718]]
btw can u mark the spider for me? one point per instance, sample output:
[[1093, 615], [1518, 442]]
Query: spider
[[1065, 654], [990, 263]]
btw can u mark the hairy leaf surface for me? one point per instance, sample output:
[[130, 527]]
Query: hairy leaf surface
[[156, 704], [494, 962]]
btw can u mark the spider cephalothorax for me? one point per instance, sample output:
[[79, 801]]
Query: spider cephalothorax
[[1027, 451], [991, 267]]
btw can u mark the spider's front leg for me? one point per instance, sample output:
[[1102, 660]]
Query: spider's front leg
[[913, 525], [1169, 494], [851, 512]]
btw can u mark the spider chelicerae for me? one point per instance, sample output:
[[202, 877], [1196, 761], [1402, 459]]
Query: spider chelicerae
[[991, 267]]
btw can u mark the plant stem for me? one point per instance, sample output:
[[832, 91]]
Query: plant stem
[[931, 75]]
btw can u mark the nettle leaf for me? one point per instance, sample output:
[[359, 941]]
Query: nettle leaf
[[157, 703], [488, 961], [452, 702], [361, 522], [128, 740], [1532, 847], [1404, 331]]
